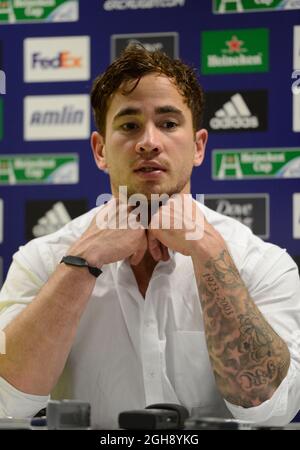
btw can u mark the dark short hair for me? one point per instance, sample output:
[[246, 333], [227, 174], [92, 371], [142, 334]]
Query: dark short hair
[[136, 62]]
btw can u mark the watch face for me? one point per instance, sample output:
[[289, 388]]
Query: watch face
[[80, 262], [75, 261]]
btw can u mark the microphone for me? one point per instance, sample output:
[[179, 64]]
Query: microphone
[[159, 416]]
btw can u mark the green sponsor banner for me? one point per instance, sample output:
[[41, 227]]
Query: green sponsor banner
[[1, 119], [256, 163], [244, 6], [16, 11], [39, 169], [235, 51]]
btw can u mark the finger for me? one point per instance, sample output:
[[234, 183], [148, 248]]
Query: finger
[[154, 247], [137, 257], [106, 217], [165, 253]]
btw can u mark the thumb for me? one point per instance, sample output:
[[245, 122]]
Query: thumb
[[137, 256]]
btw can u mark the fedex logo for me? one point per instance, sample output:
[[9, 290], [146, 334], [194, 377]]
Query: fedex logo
[[64, 58]]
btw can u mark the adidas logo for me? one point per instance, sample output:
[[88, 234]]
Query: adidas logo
[[234, 114], [52, 221]]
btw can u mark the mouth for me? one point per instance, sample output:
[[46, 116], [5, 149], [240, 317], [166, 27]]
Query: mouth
[[150, 169], [150, 172]]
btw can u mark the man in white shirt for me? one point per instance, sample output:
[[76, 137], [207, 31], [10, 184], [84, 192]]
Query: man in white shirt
[[136, 315]]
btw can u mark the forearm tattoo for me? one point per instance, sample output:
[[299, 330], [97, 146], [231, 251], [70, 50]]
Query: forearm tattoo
[[248, 358]]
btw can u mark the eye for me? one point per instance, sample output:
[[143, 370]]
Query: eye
[[129, 126], [169, 124]]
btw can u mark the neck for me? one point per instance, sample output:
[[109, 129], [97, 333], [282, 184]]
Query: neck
[[146, 265], [143, 272]]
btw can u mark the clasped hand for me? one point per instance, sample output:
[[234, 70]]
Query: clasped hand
[[121, 231], [176, 225]]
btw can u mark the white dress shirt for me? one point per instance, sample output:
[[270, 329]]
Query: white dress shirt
[[130, 352]]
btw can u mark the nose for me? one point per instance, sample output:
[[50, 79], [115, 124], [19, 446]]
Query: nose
[[149, 141]]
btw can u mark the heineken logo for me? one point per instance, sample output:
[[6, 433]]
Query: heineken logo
[[241, 60], [256, 163], [234, 55], [232, 51], [235, 45]]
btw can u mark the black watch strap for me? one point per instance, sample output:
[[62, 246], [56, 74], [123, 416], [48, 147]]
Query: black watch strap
[[80, 262]]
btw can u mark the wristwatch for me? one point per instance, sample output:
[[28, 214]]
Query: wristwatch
[[80, 262]]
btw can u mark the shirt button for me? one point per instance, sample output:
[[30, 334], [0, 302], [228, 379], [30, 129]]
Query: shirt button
[[149, 323]]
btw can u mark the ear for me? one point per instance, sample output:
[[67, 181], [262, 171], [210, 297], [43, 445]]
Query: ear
[[98, 146], [200, 144]]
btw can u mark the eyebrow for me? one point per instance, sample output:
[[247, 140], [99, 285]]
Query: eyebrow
[[137, 111]]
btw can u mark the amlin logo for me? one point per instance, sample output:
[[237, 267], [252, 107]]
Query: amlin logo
[[55, 117], [57, 59], [235, 51]]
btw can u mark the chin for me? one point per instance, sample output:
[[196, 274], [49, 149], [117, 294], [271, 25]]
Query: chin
[[156, 189]]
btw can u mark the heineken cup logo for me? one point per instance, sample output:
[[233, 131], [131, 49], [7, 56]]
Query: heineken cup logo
[[244, 6], [233, 4], [178, 212], [2, 82]]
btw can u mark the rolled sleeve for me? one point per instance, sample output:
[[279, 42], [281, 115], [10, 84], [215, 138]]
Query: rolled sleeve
[[275, 411], [14, 403], [275, 288], [20, 287]]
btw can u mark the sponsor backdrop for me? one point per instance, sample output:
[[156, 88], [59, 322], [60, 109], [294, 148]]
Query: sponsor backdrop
[[247, 54], [46, 216]]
